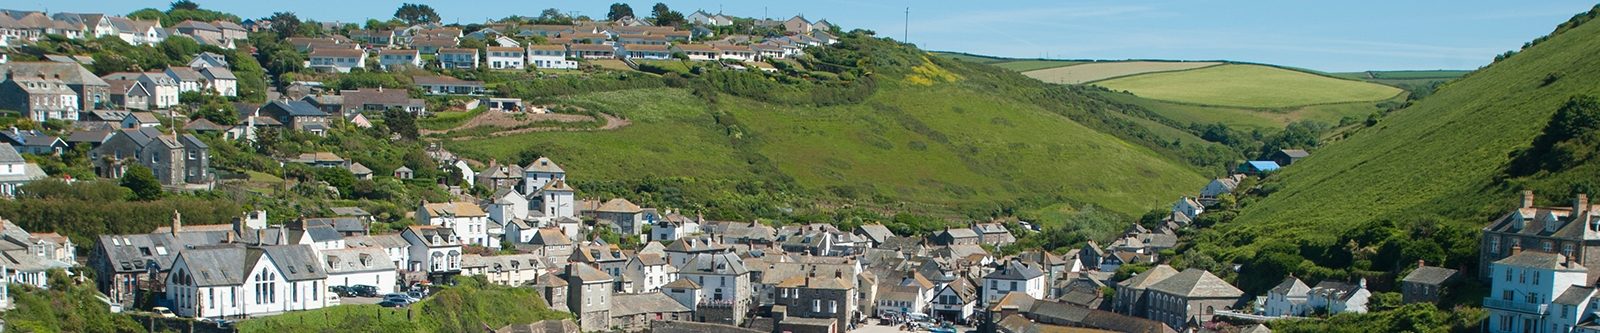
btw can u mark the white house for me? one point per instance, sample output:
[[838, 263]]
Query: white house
[[1188, 207], [556, 200], [232, 280], [1012, 276], [393, 245], [507, 270], [187, 78], [1339, 297], [337, 59], [370, 266], [433, 250], [470, 223], [458, 58], [505, 57], [550, 56], [542, 171], [647, 272], [220, 80], [208, 59], [393, 59], [697, 52], [507, 205], [956, 301], [15, 171], [1288, 298], [1217, 187], [1524, 286]]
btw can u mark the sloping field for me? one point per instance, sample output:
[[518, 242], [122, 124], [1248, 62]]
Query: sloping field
[[1091, 72], [1033, 65], [1252, 86]]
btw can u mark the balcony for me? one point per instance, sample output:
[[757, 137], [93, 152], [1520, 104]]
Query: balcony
[[1514, 305]]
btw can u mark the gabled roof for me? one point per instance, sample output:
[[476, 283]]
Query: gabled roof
[[619, 205], [458, 208], [1294, 153], [1291, 286], [1149, 277], [337, 53], [646, 303], [358, 259], [219, 265], [1015, 270], [1197, 283], [297, 108], [681, 283], [1541, 260], [587, 274], [441, 80], [1430, 275], [298, 262]]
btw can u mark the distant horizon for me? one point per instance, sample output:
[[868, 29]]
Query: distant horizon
[[1352, 36]]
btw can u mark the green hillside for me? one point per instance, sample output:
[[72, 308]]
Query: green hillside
[[917, 133], [1251, 86], [1418, 183], [466, 307]]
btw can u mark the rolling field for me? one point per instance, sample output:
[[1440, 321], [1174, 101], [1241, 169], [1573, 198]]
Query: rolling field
[[1091, 72], [1033, 65], [1266, 87], [1250, 118]]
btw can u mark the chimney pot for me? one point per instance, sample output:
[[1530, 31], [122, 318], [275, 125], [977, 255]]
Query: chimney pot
[[1516, 248], [1581, 204], [1527, 199], [1421, 263]]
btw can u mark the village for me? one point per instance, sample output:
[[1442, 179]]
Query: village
[[672, 269]]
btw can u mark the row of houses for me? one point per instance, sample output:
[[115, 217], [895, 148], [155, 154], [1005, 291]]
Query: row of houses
[[18, 27]]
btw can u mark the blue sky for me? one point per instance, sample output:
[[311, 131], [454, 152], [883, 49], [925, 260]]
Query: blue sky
[[1347, 35]]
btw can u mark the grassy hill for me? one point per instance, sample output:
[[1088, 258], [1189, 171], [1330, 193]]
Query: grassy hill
[[1434, 172], [1249, 86], [915, 133]]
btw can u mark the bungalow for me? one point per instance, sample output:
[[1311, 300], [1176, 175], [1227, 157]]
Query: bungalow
[[458, 58], [337, 60], [769, 51], [592, 51], [550, 56], [392, 59], [441, 85], [360, 171], [736, 52], [631, 39], [320, 160], [501, 57], [378, 99], [647, 51], [698, 52]]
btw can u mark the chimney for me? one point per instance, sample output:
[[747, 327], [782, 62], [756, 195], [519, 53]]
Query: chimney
[[177, 222], [1421, 263], [1527, 199], [1580, 204], [260, 233], [1516, 248], [229, 238]]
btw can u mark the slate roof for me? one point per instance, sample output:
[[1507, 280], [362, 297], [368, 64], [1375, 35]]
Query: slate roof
[[681, 283], [358, 259], [438, 80], [587, 273], [1015, 270], [1149, 277], [1291, 286], [220, 265], [298, 262], [1197, 283], [185, 74], [298, 108], [9, 155], [71, 73], [876, 231], [218, 73], [619, 205], [202, 125], [543, 164], [958, 233], [714, 263], [380, 241], [654, 302], [1541, 260], [1430, 275], [550, 237], [1575, 295], [1294, 153], [340, 224], [549, 280]]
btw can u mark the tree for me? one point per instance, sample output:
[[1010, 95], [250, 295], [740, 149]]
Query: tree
[[553, 16], [618, 11], [401, 122], [185, 5], [286, 24], [142, 181], [416, 13], [666, 16]]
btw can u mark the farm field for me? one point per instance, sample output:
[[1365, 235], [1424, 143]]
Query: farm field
[[1090, 72], [1251, 118], [1250, 86], [1032, 65]]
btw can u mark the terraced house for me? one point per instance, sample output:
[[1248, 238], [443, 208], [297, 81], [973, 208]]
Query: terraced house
[[175, 160]]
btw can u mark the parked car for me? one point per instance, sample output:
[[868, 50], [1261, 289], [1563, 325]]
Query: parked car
[[389, 303], [362, 290], [342, 291], [416, 296], [162, 311], [221, 323], [400, 296]]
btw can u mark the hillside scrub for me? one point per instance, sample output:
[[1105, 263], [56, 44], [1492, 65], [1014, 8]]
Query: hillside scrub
[[468, 306], [63, 307]]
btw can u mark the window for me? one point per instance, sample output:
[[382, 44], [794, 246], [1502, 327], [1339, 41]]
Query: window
[[1014, 285], [1536, 279], [1546, 246], [1505, 295], [1566, 249], [1508, 275], [1523, 278]]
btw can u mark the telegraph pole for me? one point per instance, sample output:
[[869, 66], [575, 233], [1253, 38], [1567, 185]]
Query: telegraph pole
[[906, 35]]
